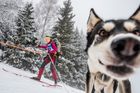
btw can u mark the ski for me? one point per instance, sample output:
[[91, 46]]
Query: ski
[[55, 85], [45, 84]]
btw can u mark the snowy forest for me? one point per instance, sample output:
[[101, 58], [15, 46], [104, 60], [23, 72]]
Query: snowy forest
[[24, 25]]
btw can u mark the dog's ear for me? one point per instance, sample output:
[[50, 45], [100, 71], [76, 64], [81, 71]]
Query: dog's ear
[[136, 15], [92, 20]]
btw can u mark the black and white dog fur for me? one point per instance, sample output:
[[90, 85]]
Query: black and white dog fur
[[113, 48]]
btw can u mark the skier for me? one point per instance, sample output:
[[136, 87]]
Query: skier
[[51, 49]]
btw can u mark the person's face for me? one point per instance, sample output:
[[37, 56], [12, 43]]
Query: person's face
[[47, 39]]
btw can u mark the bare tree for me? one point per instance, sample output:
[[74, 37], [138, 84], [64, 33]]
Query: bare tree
[[45, 15]]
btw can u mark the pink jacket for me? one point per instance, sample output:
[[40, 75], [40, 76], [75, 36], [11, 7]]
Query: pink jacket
[[51, 47]]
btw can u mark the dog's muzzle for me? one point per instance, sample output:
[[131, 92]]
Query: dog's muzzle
[[126, 48]]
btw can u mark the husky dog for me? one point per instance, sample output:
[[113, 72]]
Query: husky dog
[[113, 48]]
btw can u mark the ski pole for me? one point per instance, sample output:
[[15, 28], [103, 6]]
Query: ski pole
[[57, 72], [54, 65]]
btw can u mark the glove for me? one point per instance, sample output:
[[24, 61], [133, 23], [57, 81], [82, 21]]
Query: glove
[[60, 65]]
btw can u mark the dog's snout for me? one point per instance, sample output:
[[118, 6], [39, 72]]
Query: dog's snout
[[126, 48]]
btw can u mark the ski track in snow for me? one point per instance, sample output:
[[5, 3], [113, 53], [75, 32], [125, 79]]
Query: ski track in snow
[[10, 83]]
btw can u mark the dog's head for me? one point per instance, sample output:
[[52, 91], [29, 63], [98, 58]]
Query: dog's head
[[113, 46]]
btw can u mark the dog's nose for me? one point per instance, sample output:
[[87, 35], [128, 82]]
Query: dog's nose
[[126, 48]]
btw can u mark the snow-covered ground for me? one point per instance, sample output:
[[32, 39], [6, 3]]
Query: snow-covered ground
[[0, 52], [11, 83]]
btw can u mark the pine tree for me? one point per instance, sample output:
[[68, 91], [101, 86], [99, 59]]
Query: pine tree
[[73, 51], [8, 14], [64, 27], [24, 38], [25, 26], [78, 59]]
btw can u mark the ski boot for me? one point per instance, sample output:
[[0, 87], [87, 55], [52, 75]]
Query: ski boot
[[55, 82]]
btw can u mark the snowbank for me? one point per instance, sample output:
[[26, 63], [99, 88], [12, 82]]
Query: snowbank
[[11, 83]]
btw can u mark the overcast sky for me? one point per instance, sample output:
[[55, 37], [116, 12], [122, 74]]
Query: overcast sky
[[106, 9]]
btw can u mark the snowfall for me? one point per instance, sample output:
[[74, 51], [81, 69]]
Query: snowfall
[[12, 83]]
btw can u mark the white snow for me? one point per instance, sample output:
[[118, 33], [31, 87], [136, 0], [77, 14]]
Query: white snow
[[0, 52], [11, 83]]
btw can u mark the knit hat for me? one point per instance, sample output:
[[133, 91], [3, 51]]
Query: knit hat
[[48, 36]]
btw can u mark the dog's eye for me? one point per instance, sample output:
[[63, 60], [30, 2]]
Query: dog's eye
[[103, 33], [136, 32]]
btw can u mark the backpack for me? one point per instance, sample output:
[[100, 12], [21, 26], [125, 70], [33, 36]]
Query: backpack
[[57, 43]]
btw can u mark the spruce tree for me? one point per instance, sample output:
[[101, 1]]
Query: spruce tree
[[64, 27], [25, 26], [73, 59], [8, 13], [24, 38], [72, 49], [78, 58]]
